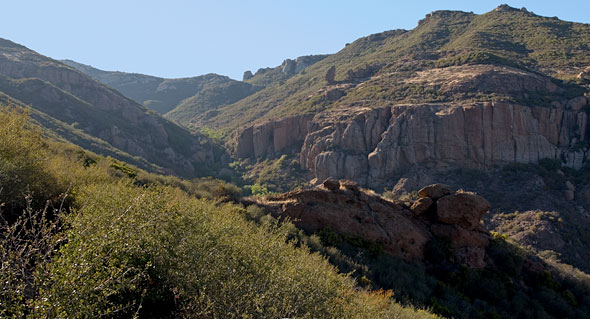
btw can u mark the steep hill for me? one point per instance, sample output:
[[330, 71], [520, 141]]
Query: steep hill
[[373, 71], [74, 98], [192, 112]]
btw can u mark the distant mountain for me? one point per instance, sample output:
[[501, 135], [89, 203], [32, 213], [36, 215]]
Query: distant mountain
[[71, 97], [158, 94]]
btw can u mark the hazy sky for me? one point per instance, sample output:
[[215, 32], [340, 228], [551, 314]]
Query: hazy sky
[[176, 38]]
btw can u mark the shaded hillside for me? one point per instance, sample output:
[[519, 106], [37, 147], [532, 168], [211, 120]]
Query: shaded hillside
[[431, 250], [74, 98], [57, 130]]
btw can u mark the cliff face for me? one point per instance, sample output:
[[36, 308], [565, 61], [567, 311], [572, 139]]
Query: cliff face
[[372, 145], [272, 136]]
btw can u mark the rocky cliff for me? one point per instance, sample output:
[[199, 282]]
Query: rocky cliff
[[404, 230], [372, 145]]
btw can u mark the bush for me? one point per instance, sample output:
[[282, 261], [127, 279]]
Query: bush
[[157, 251]]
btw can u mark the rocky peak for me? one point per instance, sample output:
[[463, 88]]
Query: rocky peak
[[404, 229], [247, 75]]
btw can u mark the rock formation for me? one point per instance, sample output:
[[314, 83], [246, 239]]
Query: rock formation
[[247, 75], [404, 231], [290, 66]]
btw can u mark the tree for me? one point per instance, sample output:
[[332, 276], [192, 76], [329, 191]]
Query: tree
[[331, 74]]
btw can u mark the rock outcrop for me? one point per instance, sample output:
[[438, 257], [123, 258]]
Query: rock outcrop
[[343, 207], [290, 66], [272, 136]]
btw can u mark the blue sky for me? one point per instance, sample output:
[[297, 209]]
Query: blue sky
[[177, 38]]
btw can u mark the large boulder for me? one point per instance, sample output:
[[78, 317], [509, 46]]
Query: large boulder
[[331, 185], [463, 209]]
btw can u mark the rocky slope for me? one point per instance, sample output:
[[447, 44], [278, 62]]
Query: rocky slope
[[432, 250], [74, 98], [498, 102], [372, 144]]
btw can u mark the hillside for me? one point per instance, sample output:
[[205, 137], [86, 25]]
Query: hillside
[[374, 70], [455, 69], [337, 210], [99, 236], [71, 97]]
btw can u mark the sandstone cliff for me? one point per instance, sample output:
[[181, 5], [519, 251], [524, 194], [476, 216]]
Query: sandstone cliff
[[361, 140]]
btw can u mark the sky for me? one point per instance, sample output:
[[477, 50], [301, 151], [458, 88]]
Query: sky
[[181, 38]]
